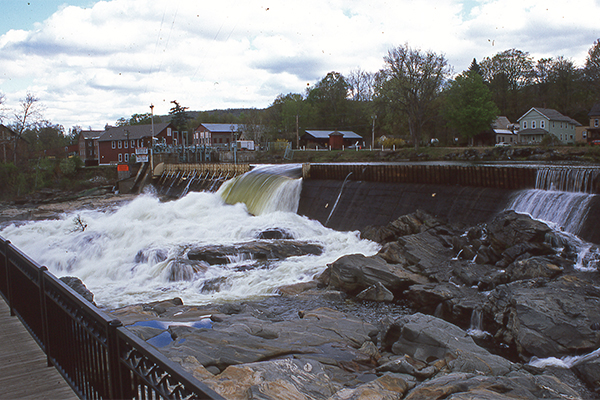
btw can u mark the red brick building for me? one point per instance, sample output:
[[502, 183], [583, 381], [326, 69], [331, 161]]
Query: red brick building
[[118, 144], [216, 135], [7, 146], [88, 147]]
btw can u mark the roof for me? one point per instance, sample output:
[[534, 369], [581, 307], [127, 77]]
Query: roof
[[500, 123], [595, 110], [130, 132], [214, 128], [536, 131], [325, 134], [91, 134], [504, 132], [552, 115]]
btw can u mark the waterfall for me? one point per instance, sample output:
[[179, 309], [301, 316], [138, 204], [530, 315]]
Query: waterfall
[[265, 189], [571, 179], [561, 197]]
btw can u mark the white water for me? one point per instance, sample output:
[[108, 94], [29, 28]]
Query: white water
[[565, 210], [564, 362], [104, 254]]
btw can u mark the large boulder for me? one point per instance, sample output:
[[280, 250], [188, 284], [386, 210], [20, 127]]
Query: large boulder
[[547, 319], [355, 273], [430, 340], [510, 228]]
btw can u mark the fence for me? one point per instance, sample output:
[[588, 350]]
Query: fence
[[97, 356]]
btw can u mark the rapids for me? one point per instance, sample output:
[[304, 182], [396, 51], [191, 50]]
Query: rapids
[[103, 247]]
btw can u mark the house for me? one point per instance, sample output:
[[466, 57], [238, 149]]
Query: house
[[593, 131], [333, 139], [216, 135], [118, 144], [7, 142], [88, 147], [538, 122], [505, 131]]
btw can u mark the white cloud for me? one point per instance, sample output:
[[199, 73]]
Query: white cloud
[[91, 66]]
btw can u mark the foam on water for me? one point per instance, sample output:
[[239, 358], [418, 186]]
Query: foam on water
[[104, 254]]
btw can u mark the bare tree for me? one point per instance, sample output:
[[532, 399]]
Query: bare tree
[[27, 116], [361, 85], [412, 80]]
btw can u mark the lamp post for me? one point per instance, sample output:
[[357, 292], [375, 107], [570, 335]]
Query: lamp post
[[152, 138]]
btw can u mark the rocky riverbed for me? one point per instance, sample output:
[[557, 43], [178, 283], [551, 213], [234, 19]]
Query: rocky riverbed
[[504, 310]]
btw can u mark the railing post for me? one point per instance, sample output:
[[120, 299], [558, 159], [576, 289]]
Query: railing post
[[8, 282], [119, 388], [44, 313]]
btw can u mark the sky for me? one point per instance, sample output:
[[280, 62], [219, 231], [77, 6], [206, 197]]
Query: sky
[[92, 62]]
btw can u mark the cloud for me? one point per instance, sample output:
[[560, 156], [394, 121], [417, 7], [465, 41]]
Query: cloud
[[90, 66]]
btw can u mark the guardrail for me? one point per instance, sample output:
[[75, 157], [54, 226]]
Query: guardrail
[[98, 357]]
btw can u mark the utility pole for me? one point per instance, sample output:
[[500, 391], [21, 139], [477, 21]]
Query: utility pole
[[373, 132], [297, 134]]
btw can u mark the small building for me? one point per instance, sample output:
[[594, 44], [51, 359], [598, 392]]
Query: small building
[[88, 147], [216, 135], [334, 139], [7, 142], [505, 131], [118, 144], [593, 131], [537, 123]]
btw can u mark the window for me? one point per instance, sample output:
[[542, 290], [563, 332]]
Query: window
[[532, 124], [596, 123], [543, 124], [114, 144], [120, 144], [168, 131], [524, 124], [132, 144], [571, 137], [120, 157], [126, 143], [90, 143], [126, 157]]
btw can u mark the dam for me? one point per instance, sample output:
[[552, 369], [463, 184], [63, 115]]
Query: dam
[[349, 197]]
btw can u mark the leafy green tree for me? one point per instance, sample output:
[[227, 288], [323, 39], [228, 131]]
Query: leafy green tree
[[412, 80], [468, 106], [179, 117], [329, 99]]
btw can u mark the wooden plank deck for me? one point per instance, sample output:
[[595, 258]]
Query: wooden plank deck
[[24, 371]]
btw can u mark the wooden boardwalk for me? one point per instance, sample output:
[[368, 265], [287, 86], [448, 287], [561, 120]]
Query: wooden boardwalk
[[24, 371]]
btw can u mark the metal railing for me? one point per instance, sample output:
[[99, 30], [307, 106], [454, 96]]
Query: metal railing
[[97, 356]]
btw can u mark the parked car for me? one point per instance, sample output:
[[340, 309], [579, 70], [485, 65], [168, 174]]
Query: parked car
[[502, 144], [595, 143]]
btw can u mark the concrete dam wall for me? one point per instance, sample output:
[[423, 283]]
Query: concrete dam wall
[[351, 197]]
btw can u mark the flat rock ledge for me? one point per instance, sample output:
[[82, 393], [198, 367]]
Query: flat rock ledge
[[438, 313]]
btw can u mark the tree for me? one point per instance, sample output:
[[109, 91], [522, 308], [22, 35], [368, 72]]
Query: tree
[[412, 81], [361, 85], [508, 73], [27, 116], [179, 117], [329, 100], [468, 105], [136, 119], [592, 69], [474, 67]]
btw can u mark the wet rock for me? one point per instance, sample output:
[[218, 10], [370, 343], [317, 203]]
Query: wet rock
[[355, 273], [181, 269], [546, 319], [275, 233], [376, 292], [510, 228], [468, 386], [79, 287], [387, 387], [535, 267], [409, 224], [589, 371], [428, 339], [256, 250]]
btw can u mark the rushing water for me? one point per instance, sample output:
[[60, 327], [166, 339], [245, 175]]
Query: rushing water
[[106, 254]]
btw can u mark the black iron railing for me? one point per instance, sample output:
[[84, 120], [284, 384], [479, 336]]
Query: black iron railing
[[97, 356]]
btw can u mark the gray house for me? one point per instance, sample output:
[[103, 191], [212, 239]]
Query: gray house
[[538, 122]]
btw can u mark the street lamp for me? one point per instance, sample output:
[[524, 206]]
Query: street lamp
[[373, 132], [152, 138]]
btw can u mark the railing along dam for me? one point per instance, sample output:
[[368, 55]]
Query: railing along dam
[[176, 180]]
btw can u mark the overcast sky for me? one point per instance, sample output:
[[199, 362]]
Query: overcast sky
[[92, 62]]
